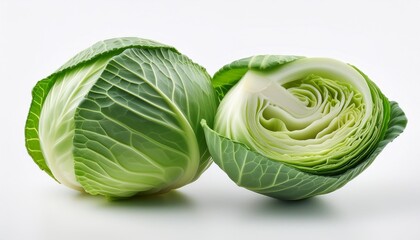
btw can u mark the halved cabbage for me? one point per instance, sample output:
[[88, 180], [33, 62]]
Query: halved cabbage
[[292, 127]]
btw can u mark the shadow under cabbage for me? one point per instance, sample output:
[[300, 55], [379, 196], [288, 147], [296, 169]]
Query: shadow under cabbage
[[315, 208], [170, 200]]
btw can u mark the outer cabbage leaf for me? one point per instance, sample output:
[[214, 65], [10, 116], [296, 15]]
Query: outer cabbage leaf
[[140, 121]]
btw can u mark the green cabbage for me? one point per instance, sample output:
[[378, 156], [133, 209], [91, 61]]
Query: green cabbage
[[122, 118], [293, 127]]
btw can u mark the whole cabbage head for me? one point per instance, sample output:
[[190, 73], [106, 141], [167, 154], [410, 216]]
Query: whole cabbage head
[[122, 118]]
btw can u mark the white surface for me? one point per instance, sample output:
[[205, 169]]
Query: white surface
[[380, 37]]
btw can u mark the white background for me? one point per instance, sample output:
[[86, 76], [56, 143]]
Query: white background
[[380, 37]]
